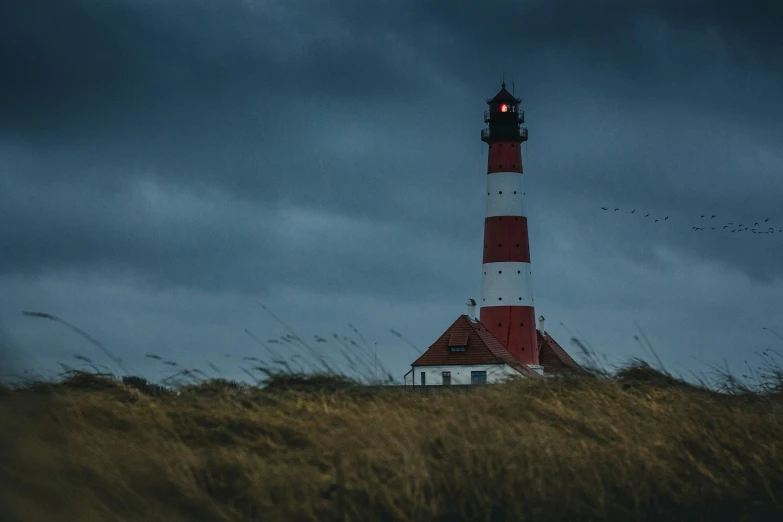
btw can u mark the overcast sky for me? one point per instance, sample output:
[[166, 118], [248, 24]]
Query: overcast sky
[[165, 163]]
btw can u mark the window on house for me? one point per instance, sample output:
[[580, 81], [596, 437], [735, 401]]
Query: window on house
[[446, 378], [458, 342], [423, 378], [478, 377]]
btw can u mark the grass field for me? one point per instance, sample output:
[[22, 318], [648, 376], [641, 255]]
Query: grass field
[[636, 445], [320, 444]]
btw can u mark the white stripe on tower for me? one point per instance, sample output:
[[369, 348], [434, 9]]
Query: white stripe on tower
[[506, 284], [504, 194]]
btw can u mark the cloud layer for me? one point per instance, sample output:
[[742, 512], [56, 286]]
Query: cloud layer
[[325, 157]]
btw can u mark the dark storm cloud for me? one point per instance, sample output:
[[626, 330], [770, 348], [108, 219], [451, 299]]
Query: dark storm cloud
[[98, 60], [199, 96], [230, 93], [178, 238], [608, 29], [327, 146], [214, 91], [272, 102]]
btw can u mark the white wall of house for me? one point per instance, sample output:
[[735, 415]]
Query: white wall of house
[[460, 375]]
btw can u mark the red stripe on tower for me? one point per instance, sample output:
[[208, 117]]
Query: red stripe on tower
[[506, 294]]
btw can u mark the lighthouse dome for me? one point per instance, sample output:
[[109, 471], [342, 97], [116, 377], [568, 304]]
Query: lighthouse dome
[[503, 96]]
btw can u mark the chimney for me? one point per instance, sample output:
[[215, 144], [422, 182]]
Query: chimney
[[541, 323], [471, 304]]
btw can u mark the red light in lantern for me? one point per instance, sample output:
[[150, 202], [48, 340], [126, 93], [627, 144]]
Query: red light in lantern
[[504, 108]]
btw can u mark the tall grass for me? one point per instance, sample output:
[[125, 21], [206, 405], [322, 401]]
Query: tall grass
[[299, 441]]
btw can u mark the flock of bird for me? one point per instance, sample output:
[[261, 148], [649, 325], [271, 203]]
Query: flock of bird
[[757, 227]]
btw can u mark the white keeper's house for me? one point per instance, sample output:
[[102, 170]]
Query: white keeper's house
[[467, 353]]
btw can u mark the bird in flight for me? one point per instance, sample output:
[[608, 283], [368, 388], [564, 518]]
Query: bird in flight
[[656, 220], [646, 215], [634, 210], [725, 226], [667, 217], [603, 208], [755, 224], [712, 217], [766, 220], [702, 217], [616, 209]]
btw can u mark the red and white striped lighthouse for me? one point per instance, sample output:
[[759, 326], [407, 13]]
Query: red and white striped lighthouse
[[504, 343], [506, 293]]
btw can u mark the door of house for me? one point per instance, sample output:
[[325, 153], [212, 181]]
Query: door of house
[[446, 378]]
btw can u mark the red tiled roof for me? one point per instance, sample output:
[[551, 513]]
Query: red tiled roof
[[482, 348], [458, 339], [502, 353], [554, 358]]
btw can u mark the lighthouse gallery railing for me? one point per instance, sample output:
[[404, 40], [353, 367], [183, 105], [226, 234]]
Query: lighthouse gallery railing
[[522, 133]]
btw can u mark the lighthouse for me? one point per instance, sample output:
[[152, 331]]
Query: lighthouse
[[504, 342], [506, 290]]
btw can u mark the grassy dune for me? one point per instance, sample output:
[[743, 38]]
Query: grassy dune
[[638, 445]]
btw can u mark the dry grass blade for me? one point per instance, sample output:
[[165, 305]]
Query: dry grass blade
[[639, 445], [116, 360]]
